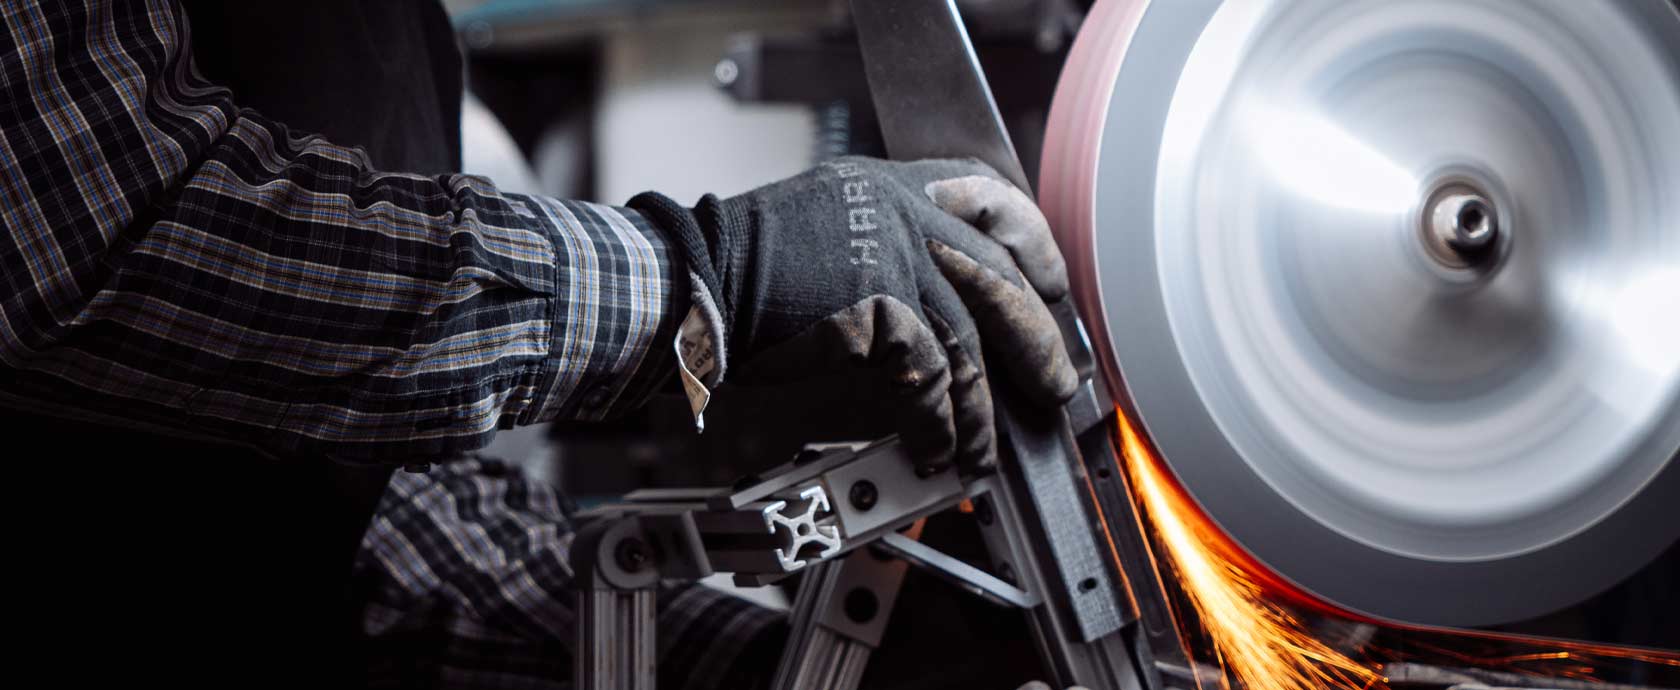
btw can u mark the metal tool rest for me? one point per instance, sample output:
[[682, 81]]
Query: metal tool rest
[[760, 533], [838, 513], [1096, 611], [850, 549]]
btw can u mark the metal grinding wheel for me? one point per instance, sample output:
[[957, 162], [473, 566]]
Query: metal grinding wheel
[[1393, 286]]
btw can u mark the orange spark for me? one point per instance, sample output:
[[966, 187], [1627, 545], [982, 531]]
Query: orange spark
[[1263, 645], [1260, 644]]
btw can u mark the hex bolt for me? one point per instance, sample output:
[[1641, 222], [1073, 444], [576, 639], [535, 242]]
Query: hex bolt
[[1462, 227], [1474, 227]]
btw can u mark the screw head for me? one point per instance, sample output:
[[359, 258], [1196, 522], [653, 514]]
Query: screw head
[[1474, 226], [726, 72], [863, 494], [632, 555], [861, 605], [1462, 227], [983, 510]]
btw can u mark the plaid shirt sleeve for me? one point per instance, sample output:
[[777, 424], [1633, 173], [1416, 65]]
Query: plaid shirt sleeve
[[464, 582], [173, 261]]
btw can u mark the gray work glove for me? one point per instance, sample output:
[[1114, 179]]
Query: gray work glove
[[899, 268]]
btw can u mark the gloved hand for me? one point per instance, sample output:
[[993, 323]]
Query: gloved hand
[[900, 268]]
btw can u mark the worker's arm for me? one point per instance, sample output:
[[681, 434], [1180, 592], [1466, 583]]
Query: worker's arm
[[464, 582], [174, 261]]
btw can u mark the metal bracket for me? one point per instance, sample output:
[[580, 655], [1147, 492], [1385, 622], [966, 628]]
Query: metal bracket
[[839, 617], [617, 571]]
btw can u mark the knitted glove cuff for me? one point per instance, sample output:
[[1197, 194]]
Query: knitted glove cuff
[[693, 241], [729, 224]]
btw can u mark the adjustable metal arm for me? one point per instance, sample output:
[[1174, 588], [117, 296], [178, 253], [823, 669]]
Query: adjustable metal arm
[[761, 533], [816, 514]]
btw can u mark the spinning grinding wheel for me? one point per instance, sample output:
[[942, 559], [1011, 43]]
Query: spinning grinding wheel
[[1392, 286]]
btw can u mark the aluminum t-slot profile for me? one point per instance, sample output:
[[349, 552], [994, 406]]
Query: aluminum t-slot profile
[[803, 529]]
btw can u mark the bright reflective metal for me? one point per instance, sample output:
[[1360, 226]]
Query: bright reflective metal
[[1272, 298], [1420, 414]]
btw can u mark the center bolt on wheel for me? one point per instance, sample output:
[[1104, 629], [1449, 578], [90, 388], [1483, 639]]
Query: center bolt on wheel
[[1462, 228]]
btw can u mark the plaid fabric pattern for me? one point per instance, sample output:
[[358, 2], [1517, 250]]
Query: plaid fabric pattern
[[465, 578], [175, 262]]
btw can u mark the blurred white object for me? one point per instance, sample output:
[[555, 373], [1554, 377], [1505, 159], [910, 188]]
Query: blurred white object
[[487, 149], [663, 124]]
